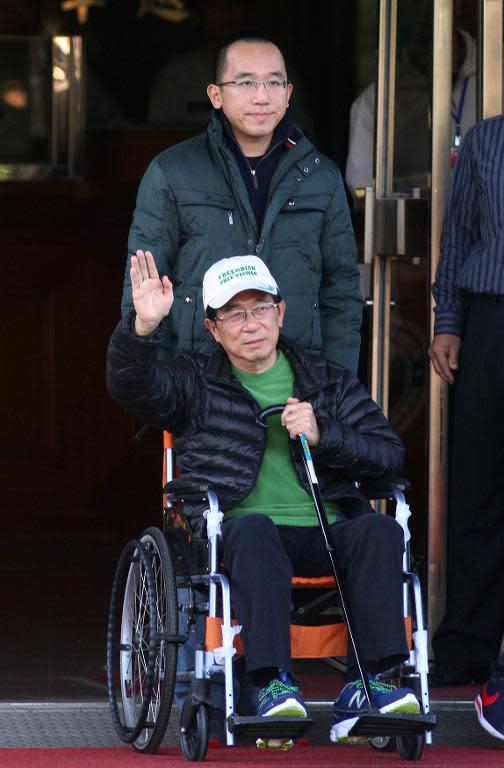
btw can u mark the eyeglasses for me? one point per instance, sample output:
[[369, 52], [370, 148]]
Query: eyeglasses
[[236, 317], [275, 86]]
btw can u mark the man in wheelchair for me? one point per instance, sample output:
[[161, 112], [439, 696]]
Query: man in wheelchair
[[270, 532]]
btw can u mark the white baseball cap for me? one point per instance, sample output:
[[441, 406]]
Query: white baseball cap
[[228, 277]]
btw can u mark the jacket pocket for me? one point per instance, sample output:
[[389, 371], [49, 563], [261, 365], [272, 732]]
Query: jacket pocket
[[187, 323], [302, 322], [182, 317], [300, 222], [200, 212], [307, 203]]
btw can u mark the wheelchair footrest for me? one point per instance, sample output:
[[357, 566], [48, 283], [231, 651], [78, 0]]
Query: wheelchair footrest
[[389, 724], [269, 727]]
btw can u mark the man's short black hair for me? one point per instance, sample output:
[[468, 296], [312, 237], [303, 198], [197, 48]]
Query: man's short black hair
[[250, 36]]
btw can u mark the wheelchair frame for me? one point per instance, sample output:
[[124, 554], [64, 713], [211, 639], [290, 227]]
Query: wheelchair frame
[[143, 638]]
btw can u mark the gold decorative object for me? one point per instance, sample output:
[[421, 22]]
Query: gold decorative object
[[82, 7], [169, 10]]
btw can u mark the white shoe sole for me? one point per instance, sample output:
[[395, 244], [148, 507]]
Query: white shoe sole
[[339, 731], [288, 708]]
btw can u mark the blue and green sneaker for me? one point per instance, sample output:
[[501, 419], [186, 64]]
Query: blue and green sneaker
[[280, 698], [352, 703]]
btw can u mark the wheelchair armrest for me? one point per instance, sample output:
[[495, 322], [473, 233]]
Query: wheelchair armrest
[[384, 487], [184, 490]]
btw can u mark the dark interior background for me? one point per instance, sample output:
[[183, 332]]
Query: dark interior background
[[74, 483]]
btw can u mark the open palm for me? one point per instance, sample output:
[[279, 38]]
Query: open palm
[[152, 296]]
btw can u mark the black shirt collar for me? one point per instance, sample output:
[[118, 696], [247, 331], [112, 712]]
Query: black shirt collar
[[284, 130]]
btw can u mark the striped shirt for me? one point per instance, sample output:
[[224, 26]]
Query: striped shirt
[[472, 238]]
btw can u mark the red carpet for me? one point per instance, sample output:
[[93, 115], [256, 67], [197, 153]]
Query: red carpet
[[241, 757]]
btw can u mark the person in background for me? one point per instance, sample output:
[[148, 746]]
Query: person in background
[[178, 100], [412, 128], [467, 353]]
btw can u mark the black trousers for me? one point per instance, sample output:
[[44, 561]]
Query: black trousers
[[471, 630], [262, 558]]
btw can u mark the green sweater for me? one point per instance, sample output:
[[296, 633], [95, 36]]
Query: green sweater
[[277, 492]]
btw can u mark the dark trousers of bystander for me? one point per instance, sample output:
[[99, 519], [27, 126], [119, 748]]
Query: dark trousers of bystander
[[470, 633], [262, 558]]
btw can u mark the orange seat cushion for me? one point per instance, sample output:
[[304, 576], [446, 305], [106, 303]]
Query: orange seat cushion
[[306, 642]]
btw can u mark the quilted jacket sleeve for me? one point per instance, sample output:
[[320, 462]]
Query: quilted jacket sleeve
[[356, 439], [155, 391]]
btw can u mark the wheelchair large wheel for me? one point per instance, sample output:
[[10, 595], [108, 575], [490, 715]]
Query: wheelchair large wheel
[[131, 641], [194, 741], [165, 669]]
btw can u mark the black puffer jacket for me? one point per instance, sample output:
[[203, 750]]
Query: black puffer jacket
[[214, 418]]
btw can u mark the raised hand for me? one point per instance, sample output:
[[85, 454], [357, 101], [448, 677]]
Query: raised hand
[[152, 296]]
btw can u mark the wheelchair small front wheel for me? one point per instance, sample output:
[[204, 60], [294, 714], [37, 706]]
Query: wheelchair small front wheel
[[383, 743], [410, 747], [194, 739]]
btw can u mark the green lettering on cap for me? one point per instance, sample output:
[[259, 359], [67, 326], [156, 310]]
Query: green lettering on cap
[[230, 274]]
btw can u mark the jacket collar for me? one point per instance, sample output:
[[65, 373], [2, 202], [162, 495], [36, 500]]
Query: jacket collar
[[286, 131], [310, 373]]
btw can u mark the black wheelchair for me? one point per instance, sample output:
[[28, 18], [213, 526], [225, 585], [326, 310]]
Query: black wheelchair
[[143, 633]]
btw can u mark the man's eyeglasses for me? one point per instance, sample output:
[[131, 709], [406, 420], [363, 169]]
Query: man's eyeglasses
[[236, 317], [275, 86]]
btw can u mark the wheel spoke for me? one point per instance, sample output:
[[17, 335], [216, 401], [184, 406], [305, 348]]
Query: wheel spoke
[[143, 609]]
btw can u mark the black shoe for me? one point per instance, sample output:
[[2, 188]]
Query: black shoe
[[445, 675]]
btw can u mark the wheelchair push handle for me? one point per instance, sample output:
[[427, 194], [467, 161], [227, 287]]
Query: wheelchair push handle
[[271, 410]]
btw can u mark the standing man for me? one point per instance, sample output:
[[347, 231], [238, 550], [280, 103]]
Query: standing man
[[252, 183], [468, 352]]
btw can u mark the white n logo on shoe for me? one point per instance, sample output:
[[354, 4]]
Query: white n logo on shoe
[[358, 699]]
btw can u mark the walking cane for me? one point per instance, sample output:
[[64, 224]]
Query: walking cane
[[409, 729]]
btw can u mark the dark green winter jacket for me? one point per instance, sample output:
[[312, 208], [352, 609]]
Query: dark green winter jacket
[[193, 209]]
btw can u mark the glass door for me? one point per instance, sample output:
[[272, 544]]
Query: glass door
[[439, 69]]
